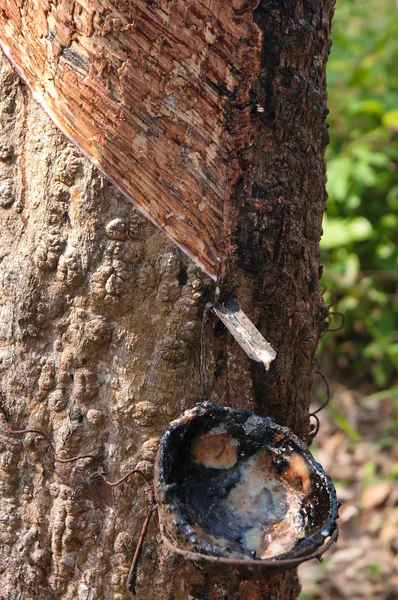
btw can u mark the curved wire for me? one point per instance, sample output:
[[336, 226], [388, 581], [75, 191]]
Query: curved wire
[[132, 576], [341, 326], [314, 428], [327, 386], [266, 563], [131, 579], [314, 414], [205, 320], [45, 436], [125, 477]]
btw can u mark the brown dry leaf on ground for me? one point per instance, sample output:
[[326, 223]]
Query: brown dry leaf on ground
[[358, 446]]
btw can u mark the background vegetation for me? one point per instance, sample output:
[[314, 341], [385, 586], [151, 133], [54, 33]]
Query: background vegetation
[[357, 441], [359, 246]]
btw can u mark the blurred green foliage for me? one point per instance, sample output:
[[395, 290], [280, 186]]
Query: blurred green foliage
[[359, 245]]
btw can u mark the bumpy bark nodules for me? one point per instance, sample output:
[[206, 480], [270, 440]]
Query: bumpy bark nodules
[[101, 317]]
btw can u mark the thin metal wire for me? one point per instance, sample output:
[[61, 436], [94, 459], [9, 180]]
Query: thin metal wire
[[119, 481], [205, 320], [341, 326], [267, 563], [132, 576], [327, 386], [315, 428], [45, 436], [131, 579], [331, 303]]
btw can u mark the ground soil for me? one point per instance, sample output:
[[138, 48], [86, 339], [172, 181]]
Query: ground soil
[[363, 565]]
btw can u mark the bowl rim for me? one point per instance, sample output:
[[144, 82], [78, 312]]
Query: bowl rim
[[273, 563], [328, 531]]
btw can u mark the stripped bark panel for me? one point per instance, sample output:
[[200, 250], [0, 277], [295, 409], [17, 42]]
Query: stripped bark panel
[[156, 94]]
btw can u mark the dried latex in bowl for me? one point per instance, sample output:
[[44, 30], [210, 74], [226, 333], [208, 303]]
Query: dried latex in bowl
[[232, 484]]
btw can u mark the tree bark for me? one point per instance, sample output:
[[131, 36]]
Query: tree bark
[[101, 319]]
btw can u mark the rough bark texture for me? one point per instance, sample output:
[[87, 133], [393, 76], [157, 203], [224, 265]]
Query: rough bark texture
[[100, 325]]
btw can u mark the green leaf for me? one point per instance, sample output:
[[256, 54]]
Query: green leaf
[[343, 232], [360, 229], [390, 393], [385, 250], [390, 119], [342, 422], [369, 471], [390, 221], [374, 570], [372, 107], [392, 351], [364, 174], [380, 373]]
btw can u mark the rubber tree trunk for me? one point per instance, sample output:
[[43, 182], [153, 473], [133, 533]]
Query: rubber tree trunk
[[101, 317]]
